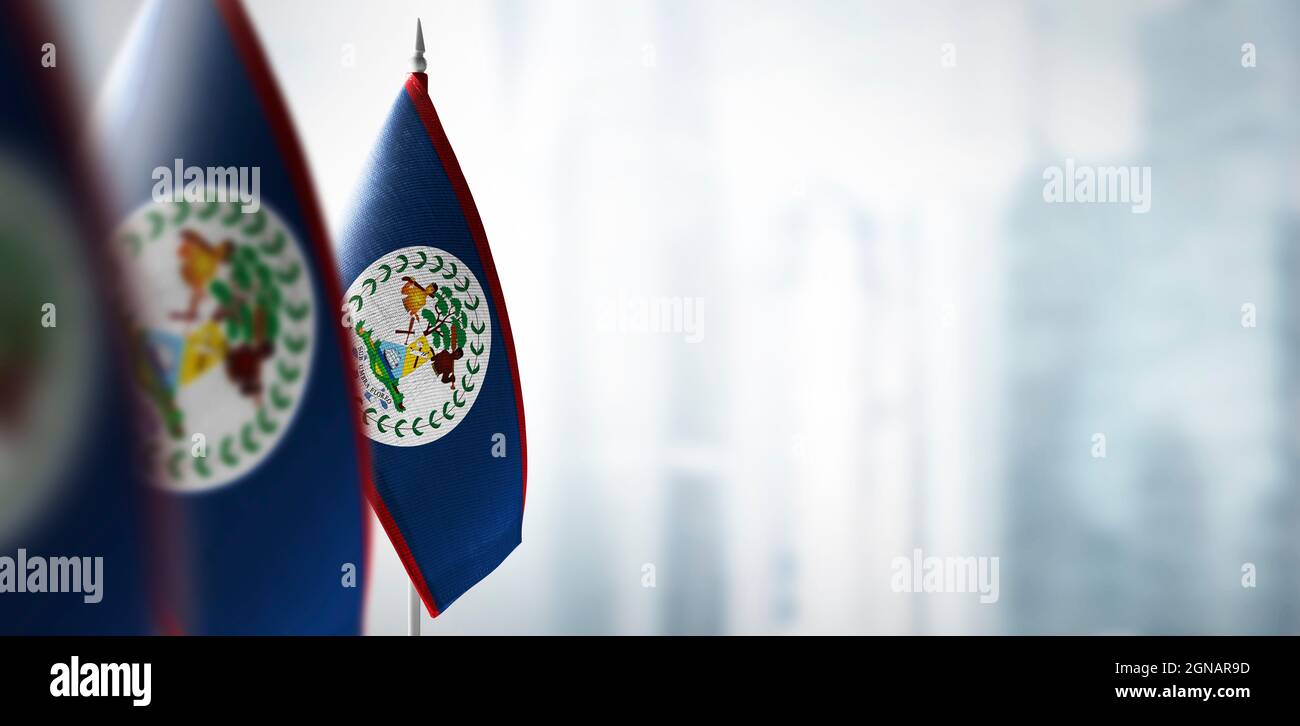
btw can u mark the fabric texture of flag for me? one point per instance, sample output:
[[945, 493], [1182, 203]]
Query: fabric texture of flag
[[432, 346], [255, 448]]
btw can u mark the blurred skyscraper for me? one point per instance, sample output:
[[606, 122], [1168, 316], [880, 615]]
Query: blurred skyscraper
[[1129, 326]]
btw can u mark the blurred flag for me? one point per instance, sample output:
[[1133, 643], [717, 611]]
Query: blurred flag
[[237, 355], [71, 521], [431, 343]]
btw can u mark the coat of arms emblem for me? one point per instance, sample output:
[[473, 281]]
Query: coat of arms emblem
[[421, 336], [221, 335]]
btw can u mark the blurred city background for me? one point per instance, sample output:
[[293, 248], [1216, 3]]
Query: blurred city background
[[889, 341]]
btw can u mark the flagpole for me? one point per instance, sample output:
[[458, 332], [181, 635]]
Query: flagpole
[[413, 611], [417, 61], [413, 604]]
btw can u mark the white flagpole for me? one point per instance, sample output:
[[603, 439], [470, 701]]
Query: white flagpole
[[413, 605], [413, 611], [417, 61]]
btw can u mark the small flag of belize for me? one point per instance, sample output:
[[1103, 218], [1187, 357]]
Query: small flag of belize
[[236, 352], [432, 347], [72, 549]]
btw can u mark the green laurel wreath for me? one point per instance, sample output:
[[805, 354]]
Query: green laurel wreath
[[270, 242], [449, 270]]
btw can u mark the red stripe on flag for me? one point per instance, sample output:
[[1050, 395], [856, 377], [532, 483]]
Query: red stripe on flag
[[417, 88], [277, 113]]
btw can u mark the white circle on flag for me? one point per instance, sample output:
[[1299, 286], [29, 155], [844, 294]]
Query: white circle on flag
[[51, 337], [420, 334], [222, 316]]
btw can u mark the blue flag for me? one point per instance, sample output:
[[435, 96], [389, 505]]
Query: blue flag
[[255, 448], [72, 523], [432, 347]]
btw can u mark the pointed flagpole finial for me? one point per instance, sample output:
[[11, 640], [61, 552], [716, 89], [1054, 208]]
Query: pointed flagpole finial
[[417, 60]]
